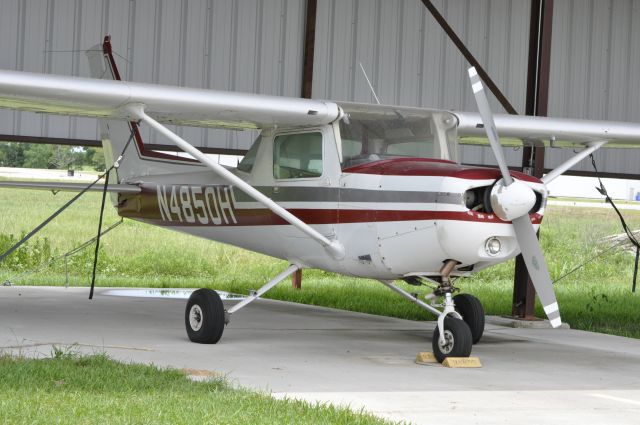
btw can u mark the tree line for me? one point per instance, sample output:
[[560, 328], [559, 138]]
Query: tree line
[[31, 155]]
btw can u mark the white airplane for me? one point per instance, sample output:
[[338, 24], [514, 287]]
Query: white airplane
[[362, 190]]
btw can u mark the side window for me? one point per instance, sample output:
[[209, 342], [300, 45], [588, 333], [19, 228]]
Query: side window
[[249, 159], [297, 156]]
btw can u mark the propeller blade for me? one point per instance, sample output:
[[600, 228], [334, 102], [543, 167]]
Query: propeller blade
[[489, 124], [537, 267], [524, 230]]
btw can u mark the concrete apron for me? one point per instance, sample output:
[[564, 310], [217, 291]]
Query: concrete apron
[[364, 361]]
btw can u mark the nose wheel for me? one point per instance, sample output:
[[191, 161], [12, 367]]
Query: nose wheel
[[456, 342]]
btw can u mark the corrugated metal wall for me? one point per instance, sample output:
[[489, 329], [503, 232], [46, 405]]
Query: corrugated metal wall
[[595, 66], [244, 45], [411, 61], [595, 71], [409, 58], [257, 46]]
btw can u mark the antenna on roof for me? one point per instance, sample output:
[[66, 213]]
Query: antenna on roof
[[375, 96]]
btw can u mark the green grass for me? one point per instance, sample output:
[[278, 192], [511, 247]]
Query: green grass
[[73, 389], [598, 297]]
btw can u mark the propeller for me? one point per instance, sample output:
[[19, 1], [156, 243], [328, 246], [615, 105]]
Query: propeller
[[512, 200]]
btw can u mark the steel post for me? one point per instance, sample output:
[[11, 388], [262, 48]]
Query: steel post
[[309, 48], [533, 158], [296, 279]]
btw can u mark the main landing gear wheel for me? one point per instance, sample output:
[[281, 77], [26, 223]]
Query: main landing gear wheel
[[457, 340], [204, 317], [472, 313]]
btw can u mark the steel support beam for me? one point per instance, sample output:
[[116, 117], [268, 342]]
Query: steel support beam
[[524, 295], [296, 279], [469, 57], [307, 82], [575, 172], [309, 48], [87, 143], [50, 140], [600, 173]]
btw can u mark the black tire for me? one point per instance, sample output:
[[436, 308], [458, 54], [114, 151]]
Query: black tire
[[472, 313], [208, 317], [458, 337]]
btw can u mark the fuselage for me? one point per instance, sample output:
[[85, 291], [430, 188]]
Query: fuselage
[[395, 217], [382, 181]]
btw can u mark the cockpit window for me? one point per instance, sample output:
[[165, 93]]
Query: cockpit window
[[371, 133], [371, 140], [249, 159], [297, 156]]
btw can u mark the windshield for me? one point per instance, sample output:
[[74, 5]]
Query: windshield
[[249, 159], [371, 133]]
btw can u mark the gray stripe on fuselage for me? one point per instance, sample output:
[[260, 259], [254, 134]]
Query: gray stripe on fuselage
[[363, 195], [333, 194], [292, 194]]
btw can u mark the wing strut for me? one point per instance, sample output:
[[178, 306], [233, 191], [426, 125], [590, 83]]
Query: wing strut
[[334, 247], [560, 169]]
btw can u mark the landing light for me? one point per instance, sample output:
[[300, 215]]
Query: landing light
[[493, 246]]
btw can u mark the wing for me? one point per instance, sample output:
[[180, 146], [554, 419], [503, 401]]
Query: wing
[[55, 94], [76, 96], [69, 187], [545, 131]]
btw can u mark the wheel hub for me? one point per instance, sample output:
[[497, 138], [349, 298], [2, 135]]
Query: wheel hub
[[195, 317], [447, 346]]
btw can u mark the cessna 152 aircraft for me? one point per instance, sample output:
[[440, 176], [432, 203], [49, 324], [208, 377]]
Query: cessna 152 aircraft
[[358, 189]]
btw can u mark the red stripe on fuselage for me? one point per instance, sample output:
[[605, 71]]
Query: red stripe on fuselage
[[264, 217], [142, 149]]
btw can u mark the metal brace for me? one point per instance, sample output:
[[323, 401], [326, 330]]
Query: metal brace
[[254, 295]]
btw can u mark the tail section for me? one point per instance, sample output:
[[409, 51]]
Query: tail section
[[138, 160]]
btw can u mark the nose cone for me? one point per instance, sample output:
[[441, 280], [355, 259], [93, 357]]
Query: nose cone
[[513, 201]]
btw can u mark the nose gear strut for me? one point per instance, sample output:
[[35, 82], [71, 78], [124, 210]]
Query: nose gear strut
[[452, 336]]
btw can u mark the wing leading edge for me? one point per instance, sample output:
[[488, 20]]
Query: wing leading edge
[[546, 131], [56, 94]]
